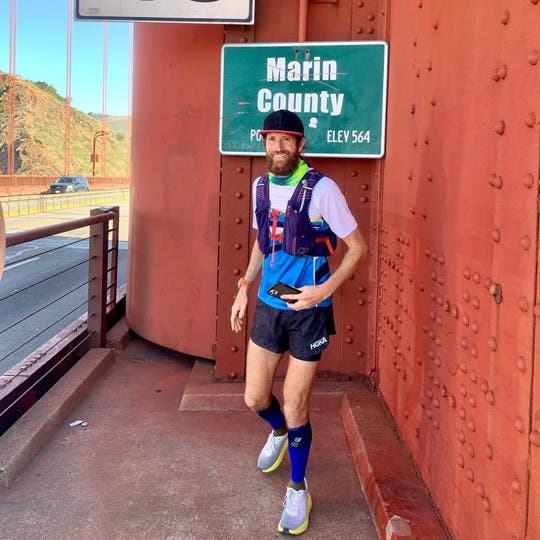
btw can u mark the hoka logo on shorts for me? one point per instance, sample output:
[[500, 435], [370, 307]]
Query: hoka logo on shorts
[[318, 343]]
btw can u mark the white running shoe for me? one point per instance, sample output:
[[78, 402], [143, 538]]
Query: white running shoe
[[272, 453], [296, 508]]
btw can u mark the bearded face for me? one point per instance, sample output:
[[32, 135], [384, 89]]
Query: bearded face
[[282, 154]]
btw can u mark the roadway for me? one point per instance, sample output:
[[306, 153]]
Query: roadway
[[27, 286]]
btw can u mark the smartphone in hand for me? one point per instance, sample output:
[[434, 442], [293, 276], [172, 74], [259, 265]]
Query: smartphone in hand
[[279, 289]]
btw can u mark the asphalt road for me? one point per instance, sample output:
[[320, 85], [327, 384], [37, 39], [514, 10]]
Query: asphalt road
[[44, 284]]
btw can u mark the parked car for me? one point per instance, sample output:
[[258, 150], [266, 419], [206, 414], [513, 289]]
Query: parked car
[[69, 184]]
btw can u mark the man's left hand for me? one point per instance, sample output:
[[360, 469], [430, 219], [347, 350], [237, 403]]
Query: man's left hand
[[310, 296]]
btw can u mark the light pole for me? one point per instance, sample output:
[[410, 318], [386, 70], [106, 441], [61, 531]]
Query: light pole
[[97, 134]]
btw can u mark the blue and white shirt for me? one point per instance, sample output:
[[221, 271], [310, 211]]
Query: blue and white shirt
[[328, 207]]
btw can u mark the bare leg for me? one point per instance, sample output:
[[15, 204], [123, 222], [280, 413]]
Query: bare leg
[[261, 366], [297, 391]]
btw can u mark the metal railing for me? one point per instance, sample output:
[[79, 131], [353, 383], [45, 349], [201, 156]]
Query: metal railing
[[18, 205], [31, 377]]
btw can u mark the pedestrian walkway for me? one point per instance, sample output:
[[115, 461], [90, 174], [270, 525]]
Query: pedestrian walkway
[[144, 469]]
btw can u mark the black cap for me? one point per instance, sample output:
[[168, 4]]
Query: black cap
[[283, 121]]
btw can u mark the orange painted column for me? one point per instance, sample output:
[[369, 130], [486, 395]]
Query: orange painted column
[[172, 266]]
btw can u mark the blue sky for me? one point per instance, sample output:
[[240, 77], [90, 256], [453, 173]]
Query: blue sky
[[41, 53]]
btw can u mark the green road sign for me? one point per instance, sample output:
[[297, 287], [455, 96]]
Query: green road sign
[[337, 89]]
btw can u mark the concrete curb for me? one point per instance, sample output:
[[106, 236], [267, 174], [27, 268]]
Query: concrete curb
[[119, 336], [24, 439], [397, 496]]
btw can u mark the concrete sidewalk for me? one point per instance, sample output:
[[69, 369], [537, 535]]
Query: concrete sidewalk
[[143, 469]]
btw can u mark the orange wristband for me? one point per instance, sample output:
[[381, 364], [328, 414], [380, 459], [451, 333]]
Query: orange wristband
[[244, 282]]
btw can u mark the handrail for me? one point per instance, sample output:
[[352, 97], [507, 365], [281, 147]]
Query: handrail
[[58, 354], [20, 237]]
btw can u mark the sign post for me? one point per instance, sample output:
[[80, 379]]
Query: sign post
[[337, 89]]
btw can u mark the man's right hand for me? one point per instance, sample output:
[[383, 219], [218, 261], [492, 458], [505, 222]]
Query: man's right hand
[[238, 310]]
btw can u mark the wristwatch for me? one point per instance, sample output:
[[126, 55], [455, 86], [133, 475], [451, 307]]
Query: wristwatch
[[244, 282]]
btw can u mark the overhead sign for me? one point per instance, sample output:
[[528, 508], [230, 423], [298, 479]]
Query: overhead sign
[[337, 89], [188, 11]]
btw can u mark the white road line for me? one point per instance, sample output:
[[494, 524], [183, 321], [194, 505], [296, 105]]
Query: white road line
[[14, 265]]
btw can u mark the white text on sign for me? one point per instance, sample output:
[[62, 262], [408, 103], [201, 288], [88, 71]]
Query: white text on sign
[[346, 135]]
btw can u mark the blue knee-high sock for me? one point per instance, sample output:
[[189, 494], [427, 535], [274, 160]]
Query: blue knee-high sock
[[273, 415], [299, 445]]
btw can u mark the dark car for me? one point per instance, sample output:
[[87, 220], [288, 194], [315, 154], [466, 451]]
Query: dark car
[[69, 184]]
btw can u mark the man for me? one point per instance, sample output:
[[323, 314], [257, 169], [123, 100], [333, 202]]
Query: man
[[296, 213]]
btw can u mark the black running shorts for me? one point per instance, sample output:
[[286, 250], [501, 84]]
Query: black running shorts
[[305, 333]]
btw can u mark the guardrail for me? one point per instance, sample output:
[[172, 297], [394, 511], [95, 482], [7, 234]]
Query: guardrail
[[28, 380], [18, 205]]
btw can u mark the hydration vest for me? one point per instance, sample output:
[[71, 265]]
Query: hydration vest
[[300, 238]]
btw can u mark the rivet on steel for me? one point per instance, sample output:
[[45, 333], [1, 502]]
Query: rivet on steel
[[496, 291], [472, 400], [473, 376], [528, 180], [476, 278], [519, 424], [461, 436], [234, 348], [502, 71], [490, 397], [475, 327], [471, 424], [533, 58], [239, 170], [516, 485], [470, 475], [238, 195], [481, 490], [505, 17], [238, 220], [474, 351], [530, 121], [488, 451], [492, 343], [355, 173], [467, 296], [470, 450], [525, 242], [485, 387], [236, 271], [521, 364], [500, 127], [433, 101], [463, 390], [237, 246], [486, 504], [467, 273], [475, 301], [496, 181], [371, 17], [461, 461], [436, 25], [534, 438], [523, 304], [496, 235]]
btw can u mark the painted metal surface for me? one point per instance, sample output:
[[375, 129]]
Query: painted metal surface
[[172, 267], [442, 316], [459, 256]]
